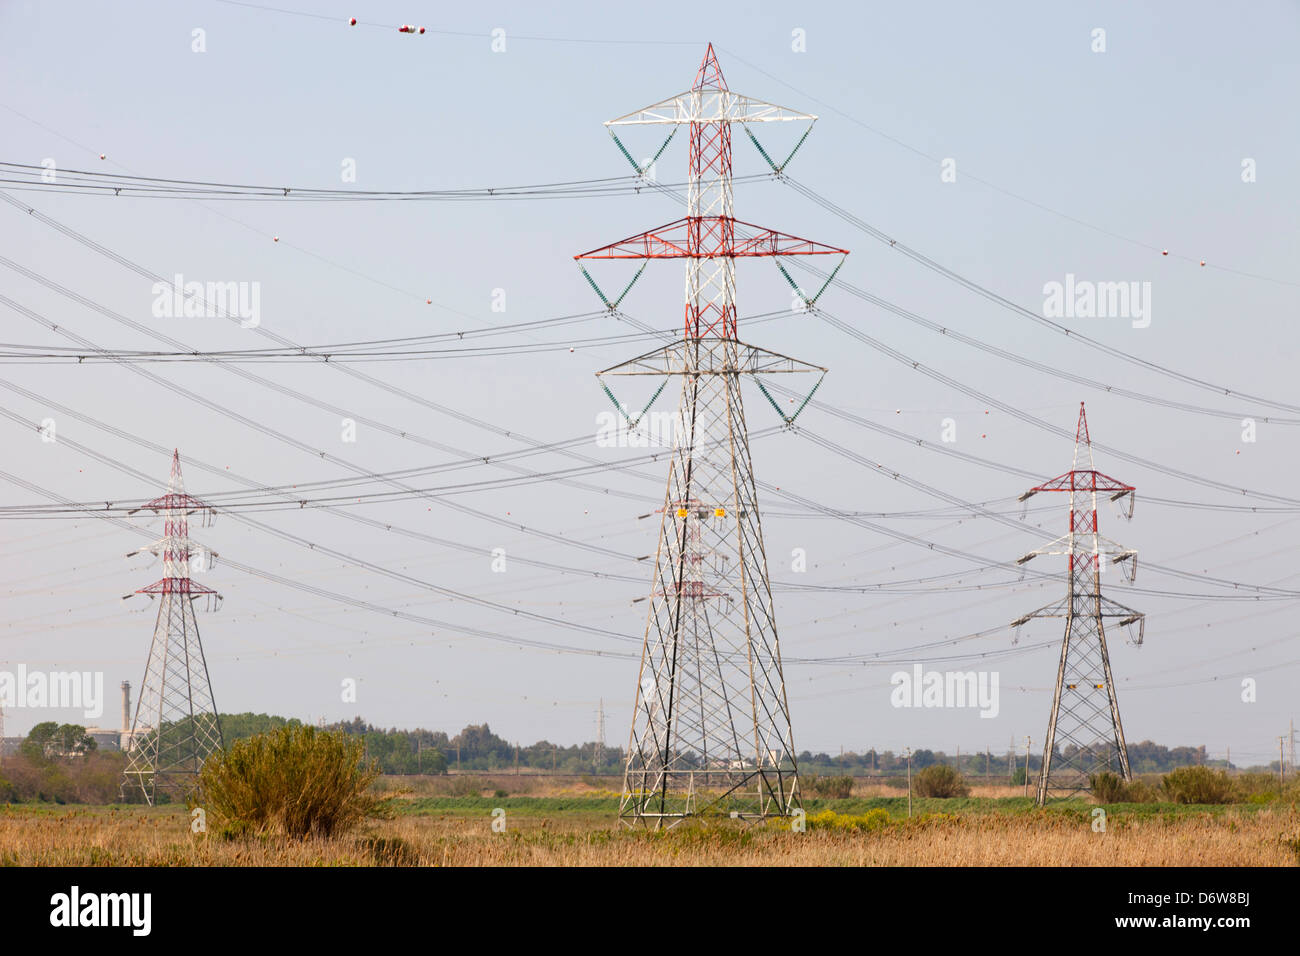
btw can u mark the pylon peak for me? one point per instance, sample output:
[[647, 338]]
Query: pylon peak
[[709, 76]]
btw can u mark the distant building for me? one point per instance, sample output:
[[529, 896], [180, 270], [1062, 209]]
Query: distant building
[[122, 738]]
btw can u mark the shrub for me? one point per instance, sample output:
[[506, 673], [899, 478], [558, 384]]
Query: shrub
[[1139, 791], [828, 787], [940, 780], [297, 781], [1107, 787], [1199, 785]]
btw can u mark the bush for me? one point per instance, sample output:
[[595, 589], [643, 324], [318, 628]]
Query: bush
[[297, 781], [940, 780], [1199, 785], [1139, 791], [829, 788], [1107, 787]]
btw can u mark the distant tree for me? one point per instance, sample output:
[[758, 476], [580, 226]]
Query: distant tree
[[239, 726], [49, 740]]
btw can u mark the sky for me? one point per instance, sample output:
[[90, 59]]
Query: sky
[[997, 140]]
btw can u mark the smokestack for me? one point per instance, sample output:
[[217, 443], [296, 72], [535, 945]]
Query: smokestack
[[126, 706]]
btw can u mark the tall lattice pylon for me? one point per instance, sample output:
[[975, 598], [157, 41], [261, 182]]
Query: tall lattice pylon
[[176, 727], [1084, 734], [711, 723]]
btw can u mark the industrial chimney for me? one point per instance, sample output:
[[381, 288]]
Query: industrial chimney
[[126, 707]]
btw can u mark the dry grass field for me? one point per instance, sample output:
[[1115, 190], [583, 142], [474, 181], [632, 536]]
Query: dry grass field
[[572, 824]]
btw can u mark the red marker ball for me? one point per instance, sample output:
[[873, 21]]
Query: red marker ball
[[1164, 252], [352, 22], [421, 30], [1202, 262]]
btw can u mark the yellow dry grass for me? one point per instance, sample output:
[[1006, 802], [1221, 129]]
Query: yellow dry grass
[[161, 837]]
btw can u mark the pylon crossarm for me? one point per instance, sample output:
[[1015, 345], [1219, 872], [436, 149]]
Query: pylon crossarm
[[1085, 480], [681, 358], [710, 106], [705, 237], [760, 361], [1059, 546], [1126, 615], [1059, 608]]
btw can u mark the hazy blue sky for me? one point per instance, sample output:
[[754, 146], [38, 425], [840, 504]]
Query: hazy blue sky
[[1144, 142]]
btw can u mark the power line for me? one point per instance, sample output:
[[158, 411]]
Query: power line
[[24, 177]]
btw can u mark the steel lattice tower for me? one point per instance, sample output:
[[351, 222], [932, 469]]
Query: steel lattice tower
[[711, 723], [1084, 734], [176, 726]]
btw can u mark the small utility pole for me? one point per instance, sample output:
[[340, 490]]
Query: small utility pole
[[1291, 757], [909, 782], [1028, 743]]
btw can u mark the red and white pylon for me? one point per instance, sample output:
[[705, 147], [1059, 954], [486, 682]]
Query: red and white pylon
[[1085, 735], [176, 727], [711, 723]]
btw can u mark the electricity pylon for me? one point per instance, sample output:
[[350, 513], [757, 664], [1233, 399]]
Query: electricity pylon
[[176, 727], [711, 723], [1084, 734]]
